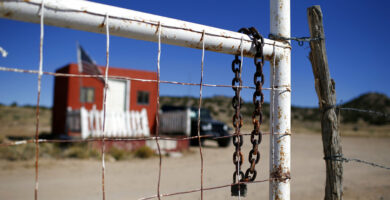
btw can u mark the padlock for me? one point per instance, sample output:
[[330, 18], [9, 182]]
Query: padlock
[[238, 189]]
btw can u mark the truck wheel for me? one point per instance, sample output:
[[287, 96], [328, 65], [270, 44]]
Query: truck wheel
[[223, 142]]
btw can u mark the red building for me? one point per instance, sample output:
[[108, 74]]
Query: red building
[[74, 96]]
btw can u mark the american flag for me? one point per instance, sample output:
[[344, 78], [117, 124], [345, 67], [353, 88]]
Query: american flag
[[86, 64]]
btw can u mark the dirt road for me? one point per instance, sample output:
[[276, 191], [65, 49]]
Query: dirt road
[[81, 179]]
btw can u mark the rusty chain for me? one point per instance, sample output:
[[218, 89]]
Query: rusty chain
[[257, 116], [237, 119], [258, 100]]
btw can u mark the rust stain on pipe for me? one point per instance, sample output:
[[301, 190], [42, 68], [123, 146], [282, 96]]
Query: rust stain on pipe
[[246, 53], [157, 29], [7, 14], [201, 38], [219, 47], [279, 175], [282, 154], [271, 57]]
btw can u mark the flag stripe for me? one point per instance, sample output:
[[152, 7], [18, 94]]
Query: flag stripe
[[88, 66]]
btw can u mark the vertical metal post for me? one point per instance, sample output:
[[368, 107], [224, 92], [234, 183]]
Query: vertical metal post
[[281, 104]]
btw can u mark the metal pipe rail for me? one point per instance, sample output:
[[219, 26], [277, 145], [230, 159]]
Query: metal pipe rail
[[280, 143], [90, 16]]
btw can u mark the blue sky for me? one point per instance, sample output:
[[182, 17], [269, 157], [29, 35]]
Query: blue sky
[[355, 31]]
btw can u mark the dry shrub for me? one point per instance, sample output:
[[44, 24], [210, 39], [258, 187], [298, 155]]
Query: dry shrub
[[81, 151], [144, 152], [20, 152], [76, 152], [119, 154]]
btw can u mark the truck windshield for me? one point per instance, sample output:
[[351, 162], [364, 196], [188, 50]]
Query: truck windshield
[[204, 114]]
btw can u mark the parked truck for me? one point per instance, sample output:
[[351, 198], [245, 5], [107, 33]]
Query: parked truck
[[181, 120]]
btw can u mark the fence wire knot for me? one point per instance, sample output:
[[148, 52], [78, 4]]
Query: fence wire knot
[[300, 40], [334, 157]]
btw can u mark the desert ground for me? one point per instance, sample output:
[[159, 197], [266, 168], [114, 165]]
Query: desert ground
[[137, 178]]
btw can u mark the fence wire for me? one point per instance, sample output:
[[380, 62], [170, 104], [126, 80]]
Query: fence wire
[[341, 158], [38, 100], [104, 102], [344, 159], [22, 142], [373, 112], [361, 110], [200, 106], [210, 188], [19, 70], [158, 106]]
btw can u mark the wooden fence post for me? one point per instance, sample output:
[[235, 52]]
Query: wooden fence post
[[325, 88]]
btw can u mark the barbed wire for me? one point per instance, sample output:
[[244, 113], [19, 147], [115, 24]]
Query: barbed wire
[[341, 158], [340, 107], [364, 111], [365, 162]]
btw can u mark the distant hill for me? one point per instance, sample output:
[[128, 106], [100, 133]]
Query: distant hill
[[20, 120], [378, 104]]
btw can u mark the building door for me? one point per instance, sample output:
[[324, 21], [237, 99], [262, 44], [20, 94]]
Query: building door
[[117, 95]]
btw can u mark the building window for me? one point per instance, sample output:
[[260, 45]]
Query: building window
[[143, 97], [87, 95]]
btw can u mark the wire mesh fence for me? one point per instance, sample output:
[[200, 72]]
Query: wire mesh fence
[[37, 141]]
